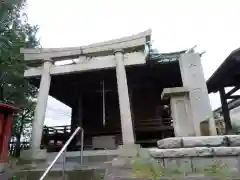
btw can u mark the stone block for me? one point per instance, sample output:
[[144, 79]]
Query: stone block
[[93, 174], [118, 162], [212, 127], [173, 91], [192, 177], [181, 165], [233, 140], [129, 150], [39, 155], [159, 153], [160, 161], [103, 142], [181, 152], [169, 143], [26, 154], [201, 164], [144, 153], [121, 162], [204, 141], [3, 167], [226, 151], [202, 152]]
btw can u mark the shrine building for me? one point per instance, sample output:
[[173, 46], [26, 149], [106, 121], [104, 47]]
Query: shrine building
[[120, 91]]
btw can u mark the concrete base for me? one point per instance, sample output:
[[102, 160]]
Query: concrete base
[[181, 110], [93, 174], [5, 176], [89, 156], [129, 150], [40, 154], [199, 154], [200, 141], [5, 171], [2, 167], [104, 142], [127, 153]]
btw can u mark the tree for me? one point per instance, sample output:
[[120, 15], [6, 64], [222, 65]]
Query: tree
[[5, 7], [21, 125], [16, 33], [152, 52]]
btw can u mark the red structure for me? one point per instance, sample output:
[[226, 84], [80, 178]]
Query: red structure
[[6, 114]]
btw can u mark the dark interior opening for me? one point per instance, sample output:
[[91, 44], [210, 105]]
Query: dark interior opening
[[150, 114]]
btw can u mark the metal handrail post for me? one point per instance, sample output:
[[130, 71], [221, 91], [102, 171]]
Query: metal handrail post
[[82, 144], [64, 163], [60, 152]]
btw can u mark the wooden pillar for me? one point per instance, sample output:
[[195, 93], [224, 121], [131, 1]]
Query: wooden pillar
[[6, 132], [225, 110], [76, 119], [132, 111], [73, 119], [131, 102]]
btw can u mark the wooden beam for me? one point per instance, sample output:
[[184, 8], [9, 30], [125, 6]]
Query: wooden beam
[[233, 97], [225, 110], [233, 90]]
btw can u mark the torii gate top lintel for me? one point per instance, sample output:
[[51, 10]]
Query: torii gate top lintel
[[129, 44]]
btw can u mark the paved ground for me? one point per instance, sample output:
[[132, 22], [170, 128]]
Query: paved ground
[[59, 166], [5, 176]]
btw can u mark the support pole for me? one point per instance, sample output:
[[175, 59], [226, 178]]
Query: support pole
[[103, 101], [225, 110]]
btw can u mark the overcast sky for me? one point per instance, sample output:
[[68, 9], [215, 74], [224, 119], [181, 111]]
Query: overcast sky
[[212, 25]]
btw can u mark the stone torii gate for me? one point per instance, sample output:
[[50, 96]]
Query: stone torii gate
[[119, 53], [115, 53]]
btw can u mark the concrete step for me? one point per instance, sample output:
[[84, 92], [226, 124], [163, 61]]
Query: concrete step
[[88, 156], [90, 174], [91, 159], [72, 167], [5, 176]]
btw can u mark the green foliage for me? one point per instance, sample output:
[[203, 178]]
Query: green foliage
[[214, 169], [20, 34], [16, 33], [100, 175], [6, 7], [152, 52], [142, 168], [219, 169]]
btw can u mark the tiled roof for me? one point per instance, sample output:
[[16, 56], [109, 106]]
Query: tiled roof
[[165, 57]]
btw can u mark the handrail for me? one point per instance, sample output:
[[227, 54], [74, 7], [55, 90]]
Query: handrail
[[63, 149]]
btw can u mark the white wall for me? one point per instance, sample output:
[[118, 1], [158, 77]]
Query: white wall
[[235, 115]]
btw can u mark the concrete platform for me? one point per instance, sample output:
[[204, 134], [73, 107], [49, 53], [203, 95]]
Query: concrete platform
[[5, 176], [58, 174], [89, 157]]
